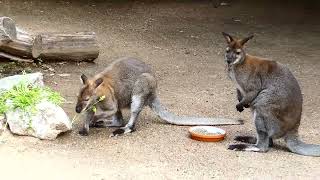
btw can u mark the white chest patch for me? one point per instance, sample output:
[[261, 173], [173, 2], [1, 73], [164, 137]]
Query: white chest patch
[[234, 79]]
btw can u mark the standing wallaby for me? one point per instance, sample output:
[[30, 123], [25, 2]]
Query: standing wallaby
[[125, 83], [274, 96]]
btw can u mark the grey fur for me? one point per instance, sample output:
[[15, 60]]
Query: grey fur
[[134, 87], [273, 95], [185, 120]]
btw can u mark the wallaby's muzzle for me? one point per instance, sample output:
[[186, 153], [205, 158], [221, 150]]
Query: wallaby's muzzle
[[229, 61], [79, 108]]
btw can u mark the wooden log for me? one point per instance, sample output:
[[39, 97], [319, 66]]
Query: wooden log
[[7, 30], [20, 47], [80, 46]]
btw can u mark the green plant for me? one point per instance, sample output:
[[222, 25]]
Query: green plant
[[26, 97]]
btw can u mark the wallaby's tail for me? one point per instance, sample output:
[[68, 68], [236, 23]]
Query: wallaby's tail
[[170, 118], [295, 145]]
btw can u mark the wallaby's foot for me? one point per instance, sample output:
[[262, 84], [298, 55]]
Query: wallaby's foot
[[246, 147], [84, 132], [251, 140], [246, 139], [122, 131], [239, 107]]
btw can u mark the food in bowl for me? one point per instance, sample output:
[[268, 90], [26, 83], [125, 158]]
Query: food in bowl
[[207, 133]]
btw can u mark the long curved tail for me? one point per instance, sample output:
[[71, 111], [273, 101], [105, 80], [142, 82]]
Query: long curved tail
[[171, 118], [295, 145]]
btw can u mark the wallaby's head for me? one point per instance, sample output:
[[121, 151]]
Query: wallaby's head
[[87, 92], [235, 53]]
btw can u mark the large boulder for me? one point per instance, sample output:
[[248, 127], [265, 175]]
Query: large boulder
[[11, 81], [47, 122]]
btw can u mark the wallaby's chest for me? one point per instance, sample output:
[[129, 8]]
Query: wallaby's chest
[[234, 76]]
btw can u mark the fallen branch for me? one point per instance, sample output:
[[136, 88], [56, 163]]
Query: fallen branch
[[14, 58]]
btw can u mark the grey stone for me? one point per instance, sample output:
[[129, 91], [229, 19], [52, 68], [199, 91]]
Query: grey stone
[[9, 82], [47, 122]]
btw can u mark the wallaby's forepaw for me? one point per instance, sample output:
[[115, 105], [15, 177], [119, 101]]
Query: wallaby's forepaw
[[239, 107], [121, 131], [98, 124], [104, 124], [84, 132]]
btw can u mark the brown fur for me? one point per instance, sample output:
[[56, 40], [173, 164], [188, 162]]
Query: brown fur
[[259, 65]]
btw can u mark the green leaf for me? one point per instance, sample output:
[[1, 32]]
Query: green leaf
[[94, 109], [102, 98]]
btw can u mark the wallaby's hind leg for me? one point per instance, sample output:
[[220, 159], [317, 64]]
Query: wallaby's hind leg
[[263, 139], [262, 145], [142, 91], [136, 107], [101, 122], [117, 121], [250, 140]]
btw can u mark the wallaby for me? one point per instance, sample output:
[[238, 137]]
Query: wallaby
[[128, 82], [274, 96]]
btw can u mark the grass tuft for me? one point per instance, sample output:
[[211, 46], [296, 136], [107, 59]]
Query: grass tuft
[[26, 97]]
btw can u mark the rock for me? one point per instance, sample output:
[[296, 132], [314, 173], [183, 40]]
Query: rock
[[46, 123], [2, 123], [11, 81]]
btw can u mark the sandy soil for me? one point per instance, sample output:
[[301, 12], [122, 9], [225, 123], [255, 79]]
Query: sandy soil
[[183, 43]]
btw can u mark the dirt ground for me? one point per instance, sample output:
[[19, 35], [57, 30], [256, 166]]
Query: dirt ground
[[182, 41]]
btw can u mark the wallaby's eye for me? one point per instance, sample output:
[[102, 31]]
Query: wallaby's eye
[[238, 52]]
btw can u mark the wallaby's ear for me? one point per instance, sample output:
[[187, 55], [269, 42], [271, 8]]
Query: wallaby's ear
[[83, 78], [98, 82], [243, 41], [228, 37]]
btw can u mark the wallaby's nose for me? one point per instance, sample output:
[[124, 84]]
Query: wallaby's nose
[[78, 108], [228, 58]]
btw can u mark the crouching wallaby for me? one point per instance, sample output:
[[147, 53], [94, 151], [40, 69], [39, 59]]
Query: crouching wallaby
[[128, 83], [274, 96]]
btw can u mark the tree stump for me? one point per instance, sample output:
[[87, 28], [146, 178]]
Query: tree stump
[[7, 30], [15, 44], [80, 46]]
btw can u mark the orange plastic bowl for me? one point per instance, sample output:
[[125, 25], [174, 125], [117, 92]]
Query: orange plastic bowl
[[196, 134]]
